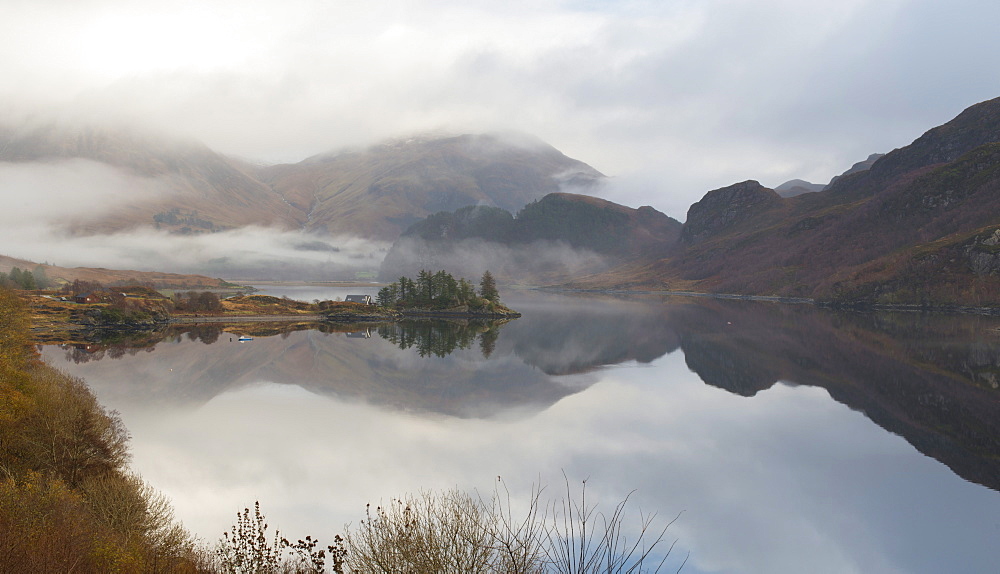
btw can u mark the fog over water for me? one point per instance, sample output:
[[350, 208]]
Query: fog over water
[[779, 479]]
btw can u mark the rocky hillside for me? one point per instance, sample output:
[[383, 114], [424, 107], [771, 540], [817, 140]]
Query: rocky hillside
[[920, 226], [723, 209]]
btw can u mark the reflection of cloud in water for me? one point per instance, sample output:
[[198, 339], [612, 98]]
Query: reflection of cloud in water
[[784, 482]]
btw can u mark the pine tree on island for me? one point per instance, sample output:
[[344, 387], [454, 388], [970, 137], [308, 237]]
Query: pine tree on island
[[488, 288]]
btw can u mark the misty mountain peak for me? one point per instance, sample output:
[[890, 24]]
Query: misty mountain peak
[[378, 192]]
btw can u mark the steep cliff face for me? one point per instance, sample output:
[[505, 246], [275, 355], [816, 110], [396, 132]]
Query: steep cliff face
[[722, 209]]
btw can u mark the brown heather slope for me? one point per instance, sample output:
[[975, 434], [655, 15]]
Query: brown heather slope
[[919, 227], [113, 276]]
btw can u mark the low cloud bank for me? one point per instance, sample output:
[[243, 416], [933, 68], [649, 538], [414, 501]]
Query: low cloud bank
[[245, 253], [539, 262], [42, 201]]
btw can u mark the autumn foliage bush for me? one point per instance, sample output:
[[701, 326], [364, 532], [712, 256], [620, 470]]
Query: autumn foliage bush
[[67, 501]]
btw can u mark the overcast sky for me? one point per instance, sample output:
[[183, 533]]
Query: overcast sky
[[672, 98]]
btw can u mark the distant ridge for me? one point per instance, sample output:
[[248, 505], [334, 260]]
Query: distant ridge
[[798, 187], [552, 239], [110, 277]]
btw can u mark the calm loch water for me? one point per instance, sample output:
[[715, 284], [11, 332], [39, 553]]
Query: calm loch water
[[793, 439]]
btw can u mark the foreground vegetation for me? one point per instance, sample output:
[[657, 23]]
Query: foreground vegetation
[[69, 503], [453, 531], [83, 306]]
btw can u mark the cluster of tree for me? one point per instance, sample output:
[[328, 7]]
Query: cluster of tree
[[80, 286], [23, 279], [439, 291], [205, 301], [440, 338], [188, 219], [67, 500]]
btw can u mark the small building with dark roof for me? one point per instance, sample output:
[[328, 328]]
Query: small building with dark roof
[[86, 298]]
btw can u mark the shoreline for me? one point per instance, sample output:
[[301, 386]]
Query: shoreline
[[858, 306]]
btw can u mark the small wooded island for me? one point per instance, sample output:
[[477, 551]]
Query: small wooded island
[[441, 294], [89, 306]]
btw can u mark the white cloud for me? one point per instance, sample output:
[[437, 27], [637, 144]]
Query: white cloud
[[41, 197], [692, 96]]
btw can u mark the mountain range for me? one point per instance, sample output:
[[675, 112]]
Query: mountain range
[[373, 193], [917, 226], [920, 226]]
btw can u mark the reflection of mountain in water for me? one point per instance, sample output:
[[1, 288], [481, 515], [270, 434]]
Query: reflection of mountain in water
[[562, 335], [352, 365], [463, 368], [929, 378]]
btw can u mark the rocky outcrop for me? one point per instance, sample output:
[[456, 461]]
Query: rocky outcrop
[[983, 254], [723, 208]]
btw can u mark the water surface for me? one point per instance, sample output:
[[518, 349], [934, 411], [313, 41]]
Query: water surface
[[793, 439]]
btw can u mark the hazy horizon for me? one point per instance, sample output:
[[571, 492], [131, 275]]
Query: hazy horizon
[[670, 100]]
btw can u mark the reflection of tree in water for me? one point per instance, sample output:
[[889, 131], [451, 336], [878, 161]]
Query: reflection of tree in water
[[207, 334], [441, 338], [86, 352], [488, 341]]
